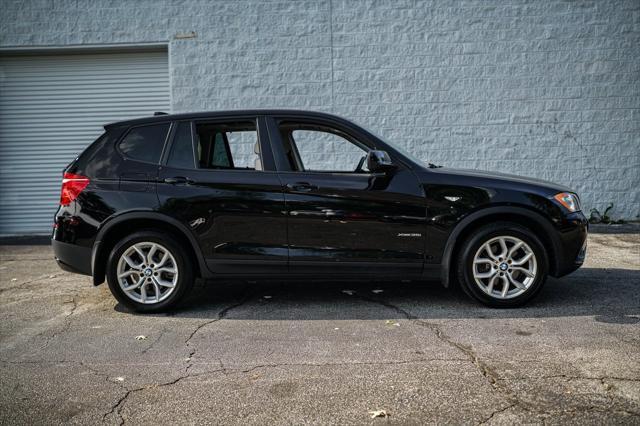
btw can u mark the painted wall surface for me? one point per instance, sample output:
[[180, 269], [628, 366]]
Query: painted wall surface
[[547, 88]]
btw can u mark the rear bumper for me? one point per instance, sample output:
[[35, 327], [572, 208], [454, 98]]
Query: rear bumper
[[573, 244], [72, 258]]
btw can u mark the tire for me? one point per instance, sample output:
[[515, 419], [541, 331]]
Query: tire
[[155, 294], [485, 279]]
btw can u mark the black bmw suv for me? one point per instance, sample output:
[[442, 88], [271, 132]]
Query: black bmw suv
[[158, 201]]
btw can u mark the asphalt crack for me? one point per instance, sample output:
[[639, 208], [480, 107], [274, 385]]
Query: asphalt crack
[[153, 343], [116, 407], [485, 370], [338, 364], [66, 322], [492, 377], [496, 412], [570, 377], [221, 315], [35, 280]]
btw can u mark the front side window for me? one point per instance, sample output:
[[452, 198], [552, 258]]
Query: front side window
[[145, 143], [320, 149], [228, 146]]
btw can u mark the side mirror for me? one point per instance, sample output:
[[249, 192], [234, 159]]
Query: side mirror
[[379, 161]]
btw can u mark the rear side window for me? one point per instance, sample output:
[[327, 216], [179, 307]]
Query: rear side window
[[228, 146], [145, 143], [181, 154]]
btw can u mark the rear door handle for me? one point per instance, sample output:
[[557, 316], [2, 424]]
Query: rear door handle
[[178, 180], [301, 186]]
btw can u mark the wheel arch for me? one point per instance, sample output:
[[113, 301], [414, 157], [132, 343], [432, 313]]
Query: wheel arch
[[118, 227], [536, 222]]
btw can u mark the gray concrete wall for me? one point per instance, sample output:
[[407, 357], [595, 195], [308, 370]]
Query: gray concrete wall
[[545, 88]]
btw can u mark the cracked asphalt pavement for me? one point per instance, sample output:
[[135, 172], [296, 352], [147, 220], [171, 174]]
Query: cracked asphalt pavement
[[309, 352]]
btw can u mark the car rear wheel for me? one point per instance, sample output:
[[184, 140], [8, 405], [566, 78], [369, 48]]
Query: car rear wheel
[[502, 265], [148, 272]]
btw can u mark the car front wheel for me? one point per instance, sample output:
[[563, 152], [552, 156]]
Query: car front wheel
[[148, 272], [502, 265]]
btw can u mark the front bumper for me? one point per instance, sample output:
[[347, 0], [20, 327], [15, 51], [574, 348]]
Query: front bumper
[[71, 257], [573, 244]]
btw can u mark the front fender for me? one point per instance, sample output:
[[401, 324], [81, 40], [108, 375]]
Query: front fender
[[540, 221]]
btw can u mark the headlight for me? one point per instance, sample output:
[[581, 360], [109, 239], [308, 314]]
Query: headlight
[[568, 200]]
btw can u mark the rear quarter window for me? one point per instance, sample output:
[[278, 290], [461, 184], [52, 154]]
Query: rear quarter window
[[144, 143], [92, 161]]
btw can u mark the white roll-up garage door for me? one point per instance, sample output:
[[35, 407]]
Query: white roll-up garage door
[[51, 108]]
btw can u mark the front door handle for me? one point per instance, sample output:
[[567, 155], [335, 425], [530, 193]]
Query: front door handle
[[301, 186], [178, 180]]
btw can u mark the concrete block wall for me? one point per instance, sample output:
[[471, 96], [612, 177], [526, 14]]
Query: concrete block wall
[[548, 88]]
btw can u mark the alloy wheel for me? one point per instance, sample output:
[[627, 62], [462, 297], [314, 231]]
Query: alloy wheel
[[147, 272], [504, 267]]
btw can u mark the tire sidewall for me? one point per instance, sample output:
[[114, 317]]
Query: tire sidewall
[[185, 270], [480, 237]]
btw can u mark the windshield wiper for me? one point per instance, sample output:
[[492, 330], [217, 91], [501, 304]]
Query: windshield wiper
[[433, 166]]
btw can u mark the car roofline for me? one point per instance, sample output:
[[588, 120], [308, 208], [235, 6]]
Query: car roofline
[[221, 114], [296, 113]]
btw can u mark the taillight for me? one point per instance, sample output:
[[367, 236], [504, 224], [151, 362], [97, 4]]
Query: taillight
[[72, 186]]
